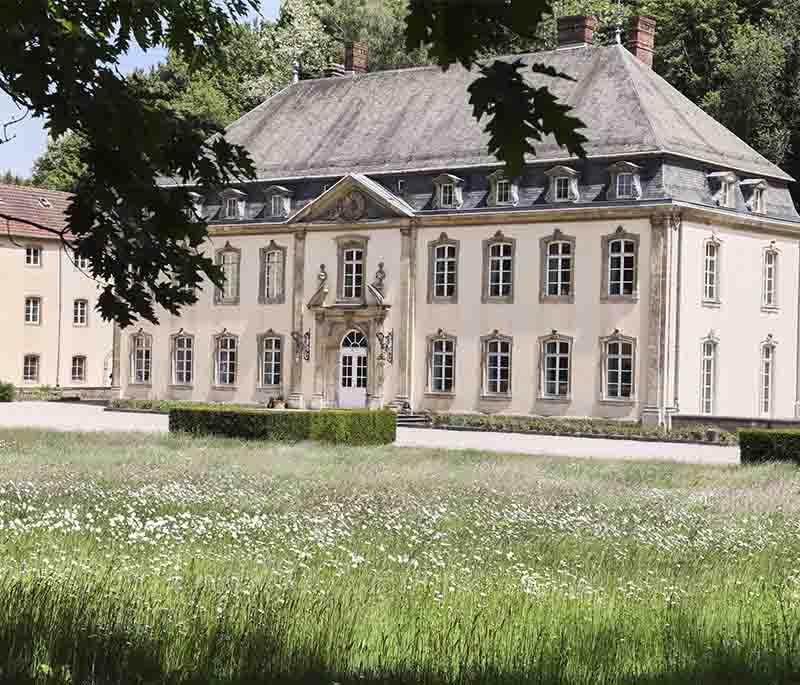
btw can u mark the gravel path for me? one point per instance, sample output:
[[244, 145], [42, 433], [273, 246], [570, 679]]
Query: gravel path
[[78, 417]]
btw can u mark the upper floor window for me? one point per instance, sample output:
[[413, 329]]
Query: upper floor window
[[502, 190], [498, 269], [80, 313], [273, 268], [401, 187], [30, 368], [226, 360], [232, 208], [708, 379], [442, 355], [141, 358], [443, 260], [496, 357], [271, 359], [82, 263], [723, 188], [770, 278], [562, 189], [767, 376], [711, 271], [277, 205], [556, 356], [233, 203], [557, 267], [352, 267], [625, 185], [182, 359], [620, 272], [624, 181], [563, 184], [448, 193], [619, 377], [33, 256], [33, 310], [279, 201], [229, 259], [78, 374]]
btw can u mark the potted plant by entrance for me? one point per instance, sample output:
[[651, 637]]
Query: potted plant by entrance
[[278, 402]]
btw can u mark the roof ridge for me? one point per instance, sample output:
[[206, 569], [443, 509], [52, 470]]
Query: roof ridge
[[34, 189], [626, 65]]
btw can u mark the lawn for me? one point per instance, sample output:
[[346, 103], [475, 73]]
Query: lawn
[[167, 559]]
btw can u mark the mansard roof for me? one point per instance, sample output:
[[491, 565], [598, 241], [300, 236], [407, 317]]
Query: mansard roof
[[33, 212], [420, 119]]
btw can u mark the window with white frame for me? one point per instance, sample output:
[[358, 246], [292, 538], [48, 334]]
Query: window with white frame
[[759, 200], [277, 205], [141, 358], [445, 266], [556, 372], [770, 286], [443, 364], [33, 310], [618, 362], [503, 192], [708, 380], [229, 260], [562, 189], [558, 265], [226, 360], [82, 263], [501, 269], [625, 186], [447, 195], [621, 267], [231, 208], [728, 194], [271, 360], [33, 256], [767, 376], [273, 275], [78, 369], [80, 313], [497, 365], [182, 359], [353, 273], [711, 271], [30, 368]]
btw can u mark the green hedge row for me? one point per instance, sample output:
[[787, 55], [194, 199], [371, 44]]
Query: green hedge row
[[760, 445], [340, 427], [166, 406], [8, 392]]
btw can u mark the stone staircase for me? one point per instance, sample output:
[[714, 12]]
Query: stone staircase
[[413, 420]]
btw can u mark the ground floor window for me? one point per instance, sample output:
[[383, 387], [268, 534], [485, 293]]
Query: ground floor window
[[227, 360], [497, 365], [271, 360], [767, 376], [30, 368], [183, 359], [443, 364], [618, 367], [556, 362], [78, 369], [708, 379], [141, 358]]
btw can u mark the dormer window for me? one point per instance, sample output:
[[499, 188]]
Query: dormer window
[[624, 181], [502, 190], [233, 204], [563, 184], [232, 208], [754, 191], [448, 193], [723, 188], [279, 201]]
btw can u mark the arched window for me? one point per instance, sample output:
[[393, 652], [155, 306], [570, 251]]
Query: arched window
[[442, 363], [767, 376], [498, 269], [182, 359], [496, 358], [556, 367], [708, 377], [141, 363], [619, 367], [620, 270], [354, 339], [271, 362], [226, 360], [229, 259], [711, 266], [770, 278], [273, 273]]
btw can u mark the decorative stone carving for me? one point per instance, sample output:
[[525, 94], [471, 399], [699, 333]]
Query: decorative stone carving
[[351, 207]]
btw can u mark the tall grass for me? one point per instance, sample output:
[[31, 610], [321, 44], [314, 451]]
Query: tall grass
[[143, 559]]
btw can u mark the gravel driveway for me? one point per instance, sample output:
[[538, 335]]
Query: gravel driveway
[[82, 417]]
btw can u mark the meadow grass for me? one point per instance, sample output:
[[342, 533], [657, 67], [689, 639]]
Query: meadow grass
[[170, 559]]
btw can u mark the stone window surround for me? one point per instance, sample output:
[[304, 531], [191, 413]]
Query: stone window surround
[[72, 368], [241, 205], [40, 320], [771, 343], [619, 234], [262, 274], [544, 245], [33, 246], [443, 239], [38, 367], [753, 188], [495, 335], [345, 242], [513, 190], [132, 358], [562, 172], [554, 336], [215, 350], [714, 340], [773, 250], [458, 191], [285, 194], [717, 301], [720, 183], [275, 390], [85, 324], [219, 297], [614, 172], [429, 341], [172, 358], [486, 298], [616, 336]]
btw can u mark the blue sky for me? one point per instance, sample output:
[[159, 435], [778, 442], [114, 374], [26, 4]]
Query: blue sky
[[19, 154]]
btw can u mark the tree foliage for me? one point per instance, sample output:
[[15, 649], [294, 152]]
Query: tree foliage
[[61, 166]]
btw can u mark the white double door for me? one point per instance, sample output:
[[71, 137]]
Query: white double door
[[353, 378]]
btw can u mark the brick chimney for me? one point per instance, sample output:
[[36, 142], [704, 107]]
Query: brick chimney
[[576, 31], [356, 58], [642, 39]]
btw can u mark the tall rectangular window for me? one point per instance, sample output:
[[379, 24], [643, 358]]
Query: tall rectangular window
[[447, 195], [271, 362], [226, 362], [182, 359], [770, 297], [625, 186], [78, 369], [30, 368], [33, 256], [711, 272], [497, 364], [562, 188], [559, 268], [767, 377], [273, 275], [444, 271], [503, 192], [556, 369], [80, 313], [232, 208], [229, 260], [621, 267], [141, 358], [501, 270], [728, 194], [353, 264], [708, 380], [277, 208], [619, 370], [33, 310], [759, 203], [443, 362]]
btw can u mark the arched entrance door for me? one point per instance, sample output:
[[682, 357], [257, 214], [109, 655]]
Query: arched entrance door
[[353, 371]]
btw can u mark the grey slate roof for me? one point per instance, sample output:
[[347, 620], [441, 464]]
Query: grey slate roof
[[418, 119]]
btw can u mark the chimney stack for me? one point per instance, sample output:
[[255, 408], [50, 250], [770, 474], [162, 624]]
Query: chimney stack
[[642, 39], [356, 58], [576, 31]]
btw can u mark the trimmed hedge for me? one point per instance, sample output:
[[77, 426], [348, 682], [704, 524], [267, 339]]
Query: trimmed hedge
[[166, 406], [761, 445], [339, 427], [8, 392]]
